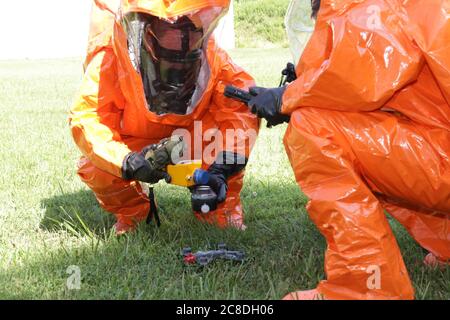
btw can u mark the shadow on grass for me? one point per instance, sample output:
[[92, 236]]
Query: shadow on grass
[[283, 251], [80, 213], [76, 212]]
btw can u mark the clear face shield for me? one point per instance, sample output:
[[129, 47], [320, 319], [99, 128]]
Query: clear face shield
[[299, 26], [170, 56]]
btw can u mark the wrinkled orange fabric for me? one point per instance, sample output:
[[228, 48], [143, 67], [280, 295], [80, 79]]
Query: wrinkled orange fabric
[[110, 118], [370, 132]]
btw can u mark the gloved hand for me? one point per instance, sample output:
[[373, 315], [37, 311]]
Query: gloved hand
[[136, 167], [218, 183], [226, 165], [266, 104]]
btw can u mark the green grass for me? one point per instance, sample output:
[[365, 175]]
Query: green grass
[[49, 220], [260, 23]]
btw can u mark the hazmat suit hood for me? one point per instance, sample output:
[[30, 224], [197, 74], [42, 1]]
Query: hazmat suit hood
[[165, 52], [299, 26], [300, 23]]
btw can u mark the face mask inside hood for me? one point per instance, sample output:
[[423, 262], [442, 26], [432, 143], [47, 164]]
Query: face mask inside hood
[[170, 56]]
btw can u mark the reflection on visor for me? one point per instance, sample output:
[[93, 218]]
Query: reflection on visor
[[180, 37]]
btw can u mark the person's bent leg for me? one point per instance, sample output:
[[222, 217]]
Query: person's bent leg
[[430, 230], [362, 260], [125, 199]]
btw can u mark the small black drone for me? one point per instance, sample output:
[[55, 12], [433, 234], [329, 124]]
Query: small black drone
[[204, 258]]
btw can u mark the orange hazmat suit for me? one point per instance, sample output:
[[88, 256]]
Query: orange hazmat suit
[[370, 131], [114, 112]]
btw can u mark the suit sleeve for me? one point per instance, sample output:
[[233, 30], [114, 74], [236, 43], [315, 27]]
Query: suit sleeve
[[238, 125], [433, 37], [95, 116], [356, 60]]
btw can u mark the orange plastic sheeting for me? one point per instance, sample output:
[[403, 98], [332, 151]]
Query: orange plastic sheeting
[[370, 131]]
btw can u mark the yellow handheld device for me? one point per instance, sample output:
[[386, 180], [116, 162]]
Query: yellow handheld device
[[183, 173]]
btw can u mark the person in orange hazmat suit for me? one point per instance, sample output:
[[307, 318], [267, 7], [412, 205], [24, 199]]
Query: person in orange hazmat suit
[[369, 131], [152, 69]]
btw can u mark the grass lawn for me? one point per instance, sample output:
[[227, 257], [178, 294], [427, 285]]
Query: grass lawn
[[260, 23], [49, 220]]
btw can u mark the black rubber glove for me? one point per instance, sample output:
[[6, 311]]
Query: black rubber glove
[[266, 104], [226, 165], [136, 167]]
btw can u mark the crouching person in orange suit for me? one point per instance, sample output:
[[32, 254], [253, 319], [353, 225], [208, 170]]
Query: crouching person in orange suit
[[153, 69], [369, 131]]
